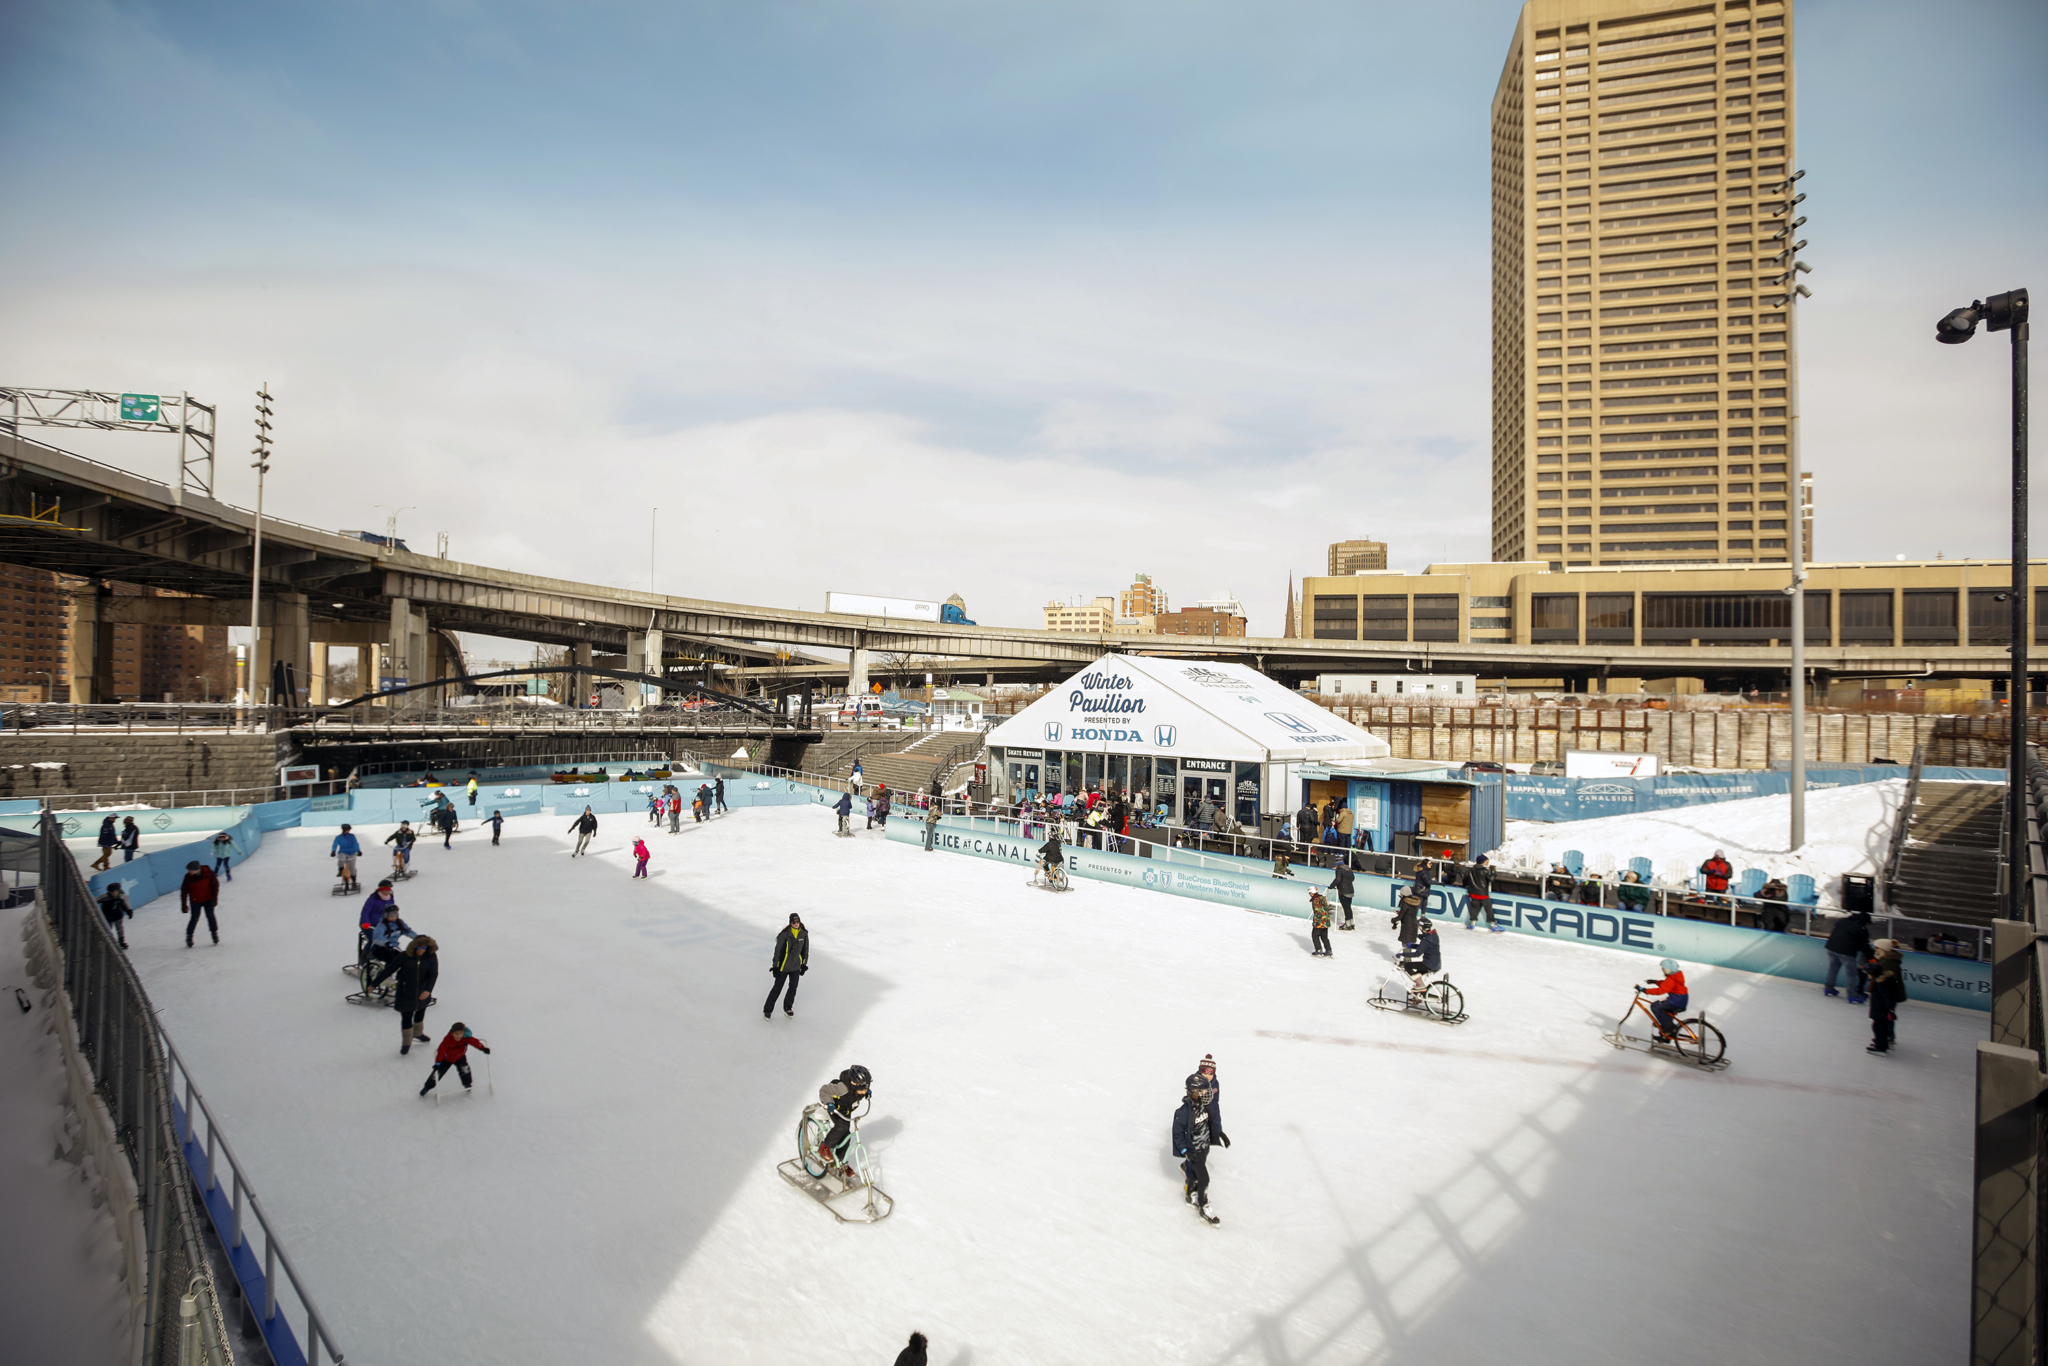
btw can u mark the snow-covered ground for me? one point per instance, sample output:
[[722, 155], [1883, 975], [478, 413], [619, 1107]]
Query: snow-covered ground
[[60, 1299], [1397, 1190], [1847, 831]]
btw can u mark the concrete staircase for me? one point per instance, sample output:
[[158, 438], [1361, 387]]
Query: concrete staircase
[[1948, 866]]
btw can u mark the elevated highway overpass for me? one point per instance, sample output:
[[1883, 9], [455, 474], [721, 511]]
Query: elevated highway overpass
[[64, 512]]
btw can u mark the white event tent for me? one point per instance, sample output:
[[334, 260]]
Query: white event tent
[[1181, 731]]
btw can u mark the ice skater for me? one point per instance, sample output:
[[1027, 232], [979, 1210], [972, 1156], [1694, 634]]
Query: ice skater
[[718, 795], [1479, 895], [417, 973], [640, 857], [223, 850], [472, 789], [131, 839], [198, 894], [655, 801], [789, 959], [844, 809], [1342, 884], [583, 827], [114, 906], [454, 1052], [345, 849], [497, 824], [1319, 924], [1197, 1125], [675, 811], [109, 839], [704, 801], [1887, 988]]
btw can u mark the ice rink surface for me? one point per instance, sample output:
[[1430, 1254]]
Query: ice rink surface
[[1397, 1190]]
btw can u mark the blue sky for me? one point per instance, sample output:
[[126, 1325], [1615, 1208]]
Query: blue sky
[[1008, 300]]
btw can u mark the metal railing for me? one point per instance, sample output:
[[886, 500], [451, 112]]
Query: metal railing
[[1901, 825], [129, 717], [459, 768], [227, 1208], [169, 799], [397, 722], [123, 1046]]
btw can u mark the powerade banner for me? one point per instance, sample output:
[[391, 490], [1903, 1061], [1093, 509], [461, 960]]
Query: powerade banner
[[1534, 798], [1929, 977]]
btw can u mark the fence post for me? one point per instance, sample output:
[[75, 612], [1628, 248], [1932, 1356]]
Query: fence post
[[2004, 1311], [2012, 982]]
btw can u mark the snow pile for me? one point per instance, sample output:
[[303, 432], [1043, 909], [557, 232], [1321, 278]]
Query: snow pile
[[1847, 831]]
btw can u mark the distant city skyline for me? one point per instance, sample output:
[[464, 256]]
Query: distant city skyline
[[1081, 284]]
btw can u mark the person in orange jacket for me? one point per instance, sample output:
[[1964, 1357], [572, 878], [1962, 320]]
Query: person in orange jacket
[[198, 894], [1671, 986], [1717, 870], [453, 1053]]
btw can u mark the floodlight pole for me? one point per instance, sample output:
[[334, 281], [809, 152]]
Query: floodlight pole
[[1795, 503], [262, 467]]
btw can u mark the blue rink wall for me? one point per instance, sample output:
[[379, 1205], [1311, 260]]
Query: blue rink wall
[[1929, 977]]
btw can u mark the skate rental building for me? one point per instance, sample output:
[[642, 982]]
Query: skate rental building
[[1179, 731]]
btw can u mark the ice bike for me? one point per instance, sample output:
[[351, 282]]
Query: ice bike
[[1052, 877], [1693, 1039], [846, 1183], [1437, 1000], [363, 969]]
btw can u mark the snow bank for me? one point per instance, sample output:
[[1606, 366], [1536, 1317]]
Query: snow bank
[[1847, 831]]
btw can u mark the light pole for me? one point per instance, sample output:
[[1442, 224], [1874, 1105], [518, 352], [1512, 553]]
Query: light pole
[[1795, 499], [2008, 313], [262, 467]]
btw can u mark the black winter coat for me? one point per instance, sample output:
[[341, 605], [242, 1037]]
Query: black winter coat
[[792, 951], [1851, 934], [417, 973], [1479, 880], [1887, 984], [1341, 882], [1184, 1133]]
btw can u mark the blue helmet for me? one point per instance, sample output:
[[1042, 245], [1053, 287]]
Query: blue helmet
[[1667, 966]]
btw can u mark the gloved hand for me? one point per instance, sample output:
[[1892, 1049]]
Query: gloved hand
[[804, 969]]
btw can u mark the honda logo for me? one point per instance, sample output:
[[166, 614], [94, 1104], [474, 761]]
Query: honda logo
[[1052, 731], [1293, 723], [1163, 736]]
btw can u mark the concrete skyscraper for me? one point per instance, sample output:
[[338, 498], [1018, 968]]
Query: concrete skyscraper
[[1638, 373]]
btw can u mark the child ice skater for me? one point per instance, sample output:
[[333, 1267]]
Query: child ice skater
[[453, 1053], [640, 857]]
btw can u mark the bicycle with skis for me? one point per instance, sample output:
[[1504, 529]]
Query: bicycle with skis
[[1051, 869], [1691, 1039], [846, 1181]]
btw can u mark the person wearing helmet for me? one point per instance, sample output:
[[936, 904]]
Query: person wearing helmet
[[1671, 986], [1049, 855], [840, 1097], [1198, 1124], [1423, 957]]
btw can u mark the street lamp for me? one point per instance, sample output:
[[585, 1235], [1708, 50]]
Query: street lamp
[[1795, 497], [2008, 313]]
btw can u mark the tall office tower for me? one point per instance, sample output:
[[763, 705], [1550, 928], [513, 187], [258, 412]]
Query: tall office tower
[[1348, 557], [1638, 373]]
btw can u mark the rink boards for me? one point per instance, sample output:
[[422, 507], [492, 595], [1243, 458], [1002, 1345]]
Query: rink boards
[[1930, 977]]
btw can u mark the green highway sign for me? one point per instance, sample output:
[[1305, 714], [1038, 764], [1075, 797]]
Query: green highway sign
[[139, 408]]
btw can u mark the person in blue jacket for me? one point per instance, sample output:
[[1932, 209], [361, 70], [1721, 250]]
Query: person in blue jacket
[[845, 810], [1423, 957], [387, 941], [109, 840], [497, 824], [1197, 1125], [344, 850]]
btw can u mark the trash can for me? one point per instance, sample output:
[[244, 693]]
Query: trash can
[[1859, 892]]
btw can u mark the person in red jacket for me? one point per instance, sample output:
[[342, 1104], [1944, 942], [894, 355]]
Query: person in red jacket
[[200, 891], [1671, 986], [1717, 870], [453, 1052]]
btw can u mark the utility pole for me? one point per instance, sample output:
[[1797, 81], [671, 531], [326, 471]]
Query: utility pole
[[261, 465], [1795, 497]]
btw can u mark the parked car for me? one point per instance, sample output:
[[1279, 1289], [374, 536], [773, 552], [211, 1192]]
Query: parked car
[[1482, 766], [1547, 768]]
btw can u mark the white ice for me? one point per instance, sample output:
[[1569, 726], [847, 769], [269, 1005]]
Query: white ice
[[1398, 1190], [1847, 831], [60, 1259]]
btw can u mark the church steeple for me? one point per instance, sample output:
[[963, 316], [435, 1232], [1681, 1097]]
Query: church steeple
[[1287, 632]]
